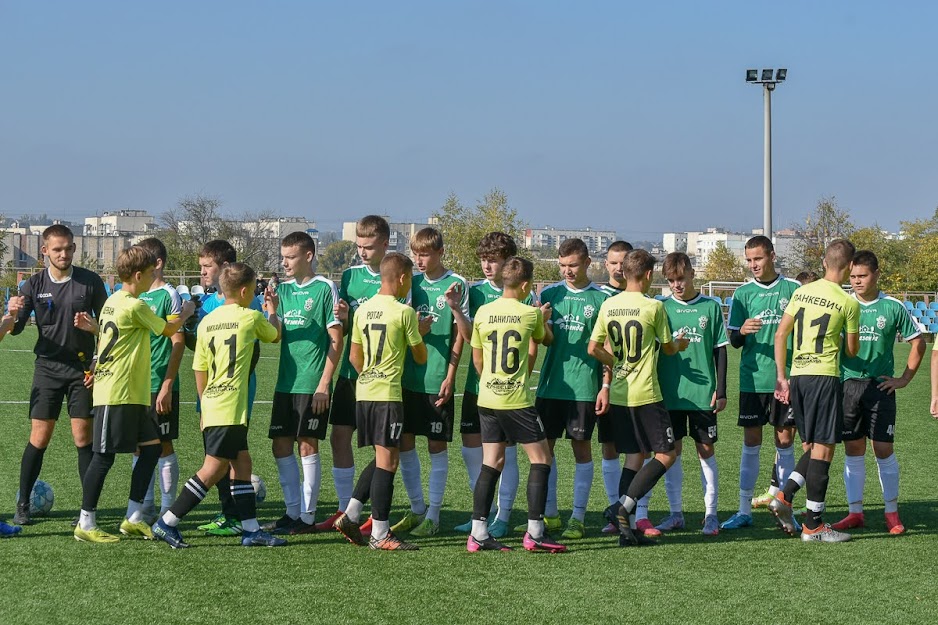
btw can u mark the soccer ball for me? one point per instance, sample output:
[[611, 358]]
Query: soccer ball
[[260, 488], [41, 500]]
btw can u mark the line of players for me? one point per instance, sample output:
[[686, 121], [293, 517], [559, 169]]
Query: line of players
[[602, 368]]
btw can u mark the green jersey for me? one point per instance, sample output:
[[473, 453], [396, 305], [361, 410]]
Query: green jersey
[[165, 302], [688, 379], [568, 372], [307, 314], [359, 284], [385, 328], [428, 297], [481, 293], [821, 311], [880, 321], [766, 302]]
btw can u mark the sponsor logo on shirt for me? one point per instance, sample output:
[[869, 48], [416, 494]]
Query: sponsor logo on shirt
[[805, 360], [571, 323], [217, 390], [424, 310], [501, 386], [371, 375], [691, 334]]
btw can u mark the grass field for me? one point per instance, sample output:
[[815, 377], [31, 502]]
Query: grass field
[[754, 575]]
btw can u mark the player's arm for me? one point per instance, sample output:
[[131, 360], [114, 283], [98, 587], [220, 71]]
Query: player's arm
[[934, 383], [6, 324], [739, 325], [173, 326], [781, 357], [719, 395], [602, 398], [321, 397], [599, 352], [455, 355], [916, 354], [413, 331], [21, 307], [457, 298], [477, 359], [272, 303], [356, 355], [164, 397], [201, 381], [547, 312], [597, 345]]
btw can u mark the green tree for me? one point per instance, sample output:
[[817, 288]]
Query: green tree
[[920, 244], [893, 255], [723, 265], [336, 256], [827, 223]]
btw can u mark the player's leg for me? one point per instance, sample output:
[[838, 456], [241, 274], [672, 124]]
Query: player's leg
[[415, 420], [243, 493], [582, 485], [554, 415], [674, 478], [484, 493], [312, 481], [213, 468], [507, 492], [704, 432], [342, 419], [79, 411], [389, 423], [93, 484], [611, 465], [753, 415], [287, 412], [882, 431], [470, 432], [348, 523], [526, 429], [440, 433], [856, 428]]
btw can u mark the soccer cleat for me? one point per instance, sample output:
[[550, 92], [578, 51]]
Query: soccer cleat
[[612, 515], [230, 527], [74, 522], [575, 530], [500, 529], [489, 544], [140, 529], [737, 521], [391, 543], [610, 529], [711, 526], [630, 538], [217, 521], [300, 527], [551, 524], [260, 538], [366, 527], [409, 522], [645, 528], [544, 543], [94, 535], [852, 521], [280, 524], [671, 523], [465, 528], [8, 531], [763, 500], [824, 534], [350, 529], [169, 535], [328, 523], [785, 517], [21, 517], [426, 528], [893, 524]]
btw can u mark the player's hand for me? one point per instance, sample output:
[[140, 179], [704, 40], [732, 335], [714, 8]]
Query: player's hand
[[89, 379], [16, 304], [188, 309], [546, 311], [271, 300], [934, 407], [751, 326], [682, 342], [602, 401], [164, 399], [84, 321], [891, 385], [340, 310], [718, 403], [454, 295], [424, 323], [320, 401], [445, 394], [782, 390]]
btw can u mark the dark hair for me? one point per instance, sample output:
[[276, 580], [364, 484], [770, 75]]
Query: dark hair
[[220, 251], [394, 265], [839, 254], [867, 259], [620, 246], [57, 230], [637, 264], [516, 271], [569, 247], [133, 259], [760, 241], [676, 264], [806, 276], [496, 245], [301, 240], [155, 247], [236, 276], [373, 226]]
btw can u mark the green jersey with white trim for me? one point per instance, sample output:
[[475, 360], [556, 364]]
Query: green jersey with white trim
[[880, 321], [766, 302], [480, 293], [359, 284], [568, 372], [165, 303], [688, 379], [307, 314]]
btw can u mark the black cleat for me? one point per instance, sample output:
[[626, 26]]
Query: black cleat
[[22, 514], [628, 538]]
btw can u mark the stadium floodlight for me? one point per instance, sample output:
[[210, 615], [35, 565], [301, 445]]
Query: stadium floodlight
[[781, 75], [752, 75], [767, 75], [768, 86]]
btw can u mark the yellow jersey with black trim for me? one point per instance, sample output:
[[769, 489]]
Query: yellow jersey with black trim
[[821, 310], [223, 349], [386, 329], [503, 330], [122, 372]]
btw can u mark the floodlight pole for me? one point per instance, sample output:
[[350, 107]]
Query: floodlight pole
[[767, 172]]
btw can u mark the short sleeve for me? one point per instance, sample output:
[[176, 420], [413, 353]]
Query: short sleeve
[[906, 325], [356, 332], [175, 304], [852, 316], [599, 330], [329, 303], [411, 329], [662, 327], [738, 313], [201, 359], [343, 286], [263, 329], [539, 326], [464, 305], [146, 318], [476, 337], [719, 328]]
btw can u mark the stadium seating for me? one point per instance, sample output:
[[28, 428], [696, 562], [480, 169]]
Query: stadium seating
[[921, 306], [930, 314], [183, 291], [728, 302], [933, 306], [933, 328], [909, 305]]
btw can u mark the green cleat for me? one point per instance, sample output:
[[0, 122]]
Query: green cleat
[[231, 527], [500, 529], [551, 524], [140, 529], [409, 522], [215, 523], [575, 529], [425, 529], [94, 535], [763, 500]]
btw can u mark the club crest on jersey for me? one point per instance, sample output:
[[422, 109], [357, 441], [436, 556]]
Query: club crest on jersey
[[441, 302], [782, 303], [588, 311], [308, 304], [880, 322], [501, 386], [702, 322], [153, 308]]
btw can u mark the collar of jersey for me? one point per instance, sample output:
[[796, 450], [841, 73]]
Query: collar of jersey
[[446, 274], [777, 279], [573, 290], [879, 296], [691, 302], [71, 271], [307, 283]]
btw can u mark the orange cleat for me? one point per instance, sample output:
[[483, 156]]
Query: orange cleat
[[647, 529], [328, 523], [851, 521], [893, 524]]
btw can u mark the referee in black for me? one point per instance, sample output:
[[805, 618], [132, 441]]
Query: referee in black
[[63, 354]]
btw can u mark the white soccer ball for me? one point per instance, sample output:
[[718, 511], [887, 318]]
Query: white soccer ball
[[260, 488], [42, 498]]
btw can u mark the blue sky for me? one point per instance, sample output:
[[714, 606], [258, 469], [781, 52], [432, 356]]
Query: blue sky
[[633, 116]]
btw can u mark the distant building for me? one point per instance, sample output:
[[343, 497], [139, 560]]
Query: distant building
[[118, 223], [596, 240], [401, 233]]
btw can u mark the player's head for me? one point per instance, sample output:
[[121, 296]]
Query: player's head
[[573, 258], [615, 260], [298, 254], [396, 273], [493, 250], [372, 235], [58, 245], [518, 274], [760, 257], [864, 274], [427, 248], [237, 282], [155, 247], [806, 277], [679, 273], [136, 267], [639, 265], [837, 259], [213, 258]]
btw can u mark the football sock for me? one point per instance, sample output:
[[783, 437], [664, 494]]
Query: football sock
[[816, 491], [748, 474], [796, 478], [537, 498], [148, 498], [641, 508], [550, 508], [382, 489], [611, 470], [168, 469], [472, 457], [380, 529], [85, 454], [362, 492], [508, 485], [484, 493], [289, 473], [228, 506], [344, 478], [582, 483], [673, 485], [191, 495], [439, 468], [242, 491], [87, 520], [143, 472], [646, 479], [30, 468], [774, 483], [353, 509], [784, 463], [410, 474], [889, 480], [94, 481], [312, 484], [625, 480], [854, 480], [708, 479]]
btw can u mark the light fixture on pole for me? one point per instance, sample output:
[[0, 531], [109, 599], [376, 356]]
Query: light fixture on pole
[[769, 78]]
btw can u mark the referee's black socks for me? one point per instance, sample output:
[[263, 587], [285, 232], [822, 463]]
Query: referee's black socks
[[30, 468]]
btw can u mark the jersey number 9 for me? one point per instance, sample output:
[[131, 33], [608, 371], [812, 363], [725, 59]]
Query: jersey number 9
[[626, 340]]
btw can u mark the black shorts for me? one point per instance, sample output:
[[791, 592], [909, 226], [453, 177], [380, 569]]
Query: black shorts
[[818, 404], [650, 429], [52, 383], [576, 418], [343, 403], [469, 416], [225, 441], [121, 429], [292, 416], [759, 409], [868, 412], [520, 425], [379, 423], [167, 424], [606, 428], [700, 424], [423, 418]]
